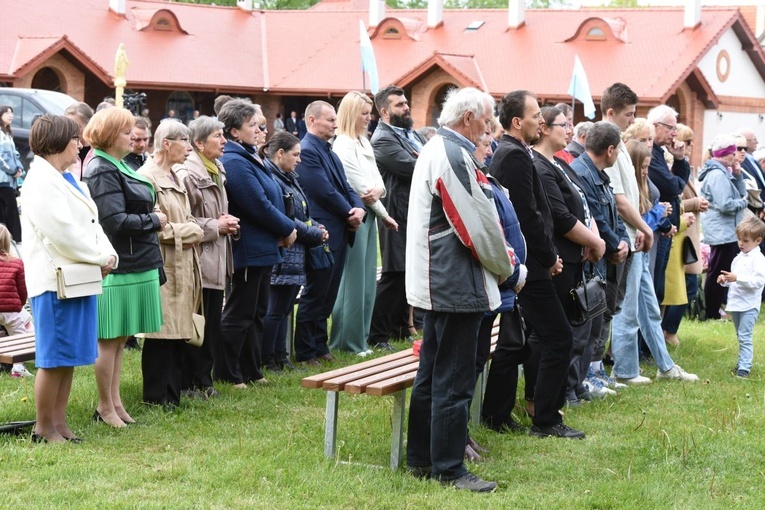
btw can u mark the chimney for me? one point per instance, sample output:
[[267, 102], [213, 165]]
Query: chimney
[[516, 13], [435, 13], [245, 5], [376, 12], [692, 16], [118, 6]]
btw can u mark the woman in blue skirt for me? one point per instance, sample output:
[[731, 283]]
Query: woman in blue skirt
[[60, 227]]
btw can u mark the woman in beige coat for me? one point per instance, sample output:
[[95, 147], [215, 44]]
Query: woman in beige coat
[[204, 178], [692, 203], [162, 360]]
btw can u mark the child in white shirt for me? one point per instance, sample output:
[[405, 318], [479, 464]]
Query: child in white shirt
[[745, 282]]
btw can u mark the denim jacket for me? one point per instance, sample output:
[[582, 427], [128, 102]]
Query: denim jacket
[[602, 203], [10, 162]]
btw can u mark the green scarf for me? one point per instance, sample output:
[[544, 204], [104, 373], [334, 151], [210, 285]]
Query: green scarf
[[125, 169], [212, 169]]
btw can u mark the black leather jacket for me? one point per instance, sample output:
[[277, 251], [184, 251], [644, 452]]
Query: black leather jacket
[[125, 208]]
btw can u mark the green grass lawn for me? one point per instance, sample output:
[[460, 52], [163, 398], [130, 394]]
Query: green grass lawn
[[663, 446]]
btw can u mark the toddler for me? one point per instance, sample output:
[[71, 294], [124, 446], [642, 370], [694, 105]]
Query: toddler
[[745, 282]]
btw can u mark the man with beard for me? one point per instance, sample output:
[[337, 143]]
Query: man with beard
[[396, 148], [513, 167]]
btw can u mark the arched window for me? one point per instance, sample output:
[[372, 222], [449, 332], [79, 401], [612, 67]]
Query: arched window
[[46, 78]]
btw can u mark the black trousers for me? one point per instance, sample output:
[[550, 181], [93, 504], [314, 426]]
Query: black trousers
[[390, 315], [198, 362], [162, 368], [502, 382], [315, 307], [544, 314], [720, 258], [9, 212], [242, 326], [443, 388]]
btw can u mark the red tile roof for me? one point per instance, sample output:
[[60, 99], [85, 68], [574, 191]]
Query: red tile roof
[[316, 51]]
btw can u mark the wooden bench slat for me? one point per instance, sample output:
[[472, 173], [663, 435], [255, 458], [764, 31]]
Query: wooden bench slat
[[359, 386], [316, 381], [339, 383], [383, 388], [17, 348]]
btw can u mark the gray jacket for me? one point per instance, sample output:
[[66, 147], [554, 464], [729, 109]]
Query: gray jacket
[[726, 194]]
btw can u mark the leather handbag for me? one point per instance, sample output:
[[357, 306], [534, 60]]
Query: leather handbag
[[318, 258], [589, 298], [78, 280], [689, 252], [198, 326], [198, 333]]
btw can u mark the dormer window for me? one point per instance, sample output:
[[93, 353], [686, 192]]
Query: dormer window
[[595, 34], [392, 33], [163, 24]]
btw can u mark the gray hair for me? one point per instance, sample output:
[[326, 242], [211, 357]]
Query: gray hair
[[722, 141], [581, 129], [460, 101], [235, 113], [601, 136], [202, 127], [659, 113], [169, 130]]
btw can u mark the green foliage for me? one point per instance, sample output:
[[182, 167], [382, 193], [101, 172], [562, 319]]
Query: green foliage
[[665, 445]]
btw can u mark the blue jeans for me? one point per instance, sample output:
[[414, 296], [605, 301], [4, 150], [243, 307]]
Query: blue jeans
[[441, 395], [640, 311], [673, 314], [744, 322]]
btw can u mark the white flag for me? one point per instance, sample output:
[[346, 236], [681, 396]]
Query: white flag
[[580, 88], [368, 62]]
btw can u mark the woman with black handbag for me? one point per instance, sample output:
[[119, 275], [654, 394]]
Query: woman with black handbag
[[576, 237], [281, 155]]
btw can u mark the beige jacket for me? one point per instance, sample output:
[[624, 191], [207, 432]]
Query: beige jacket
[[692, 203], [208, 202], [181, 293]]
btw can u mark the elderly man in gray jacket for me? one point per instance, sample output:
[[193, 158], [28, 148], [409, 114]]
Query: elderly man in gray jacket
[[456, 255]]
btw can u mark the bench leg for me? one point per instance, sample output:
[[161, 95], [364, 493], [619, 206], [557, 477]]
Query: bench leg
[[477, 403], [397, 434], [330, 425]]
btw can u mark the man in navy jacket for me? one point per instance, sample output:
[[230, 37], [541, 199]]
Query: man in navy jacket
[[334, 204]]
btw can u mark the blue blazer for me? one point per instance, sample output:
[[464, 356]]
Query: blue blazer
[[330, 197], [256, 199]]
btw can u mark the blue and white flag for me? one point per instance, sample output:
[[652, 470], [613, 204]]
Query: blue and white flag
[[368, 62], [580, 88]]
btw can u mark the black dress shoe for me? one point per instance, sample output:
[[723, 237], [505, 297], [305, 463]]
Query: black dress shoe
[[97, 416], [557, 430], [74, 439], [384, 346], [37, 438], [326, 357], [422, 472]]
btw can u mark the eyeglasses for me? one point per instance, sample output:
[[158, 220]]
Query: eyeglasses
[[564, 125], [741, 148], [185, 139], [263, 128], [668, 126]]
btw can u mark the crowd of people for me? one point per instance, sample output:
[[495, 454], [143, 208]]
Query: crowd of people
[[492, 214]]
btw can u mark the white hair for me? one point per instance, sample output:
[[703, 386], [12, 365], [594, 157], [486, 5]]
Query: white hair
[[460, 101], [722, 141], [659, 113], [169, 130]]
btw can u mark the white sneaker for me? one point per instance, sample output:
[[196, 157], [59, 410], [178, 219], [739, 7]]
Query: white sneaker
[[677, 374], [633, 381], [597, 388], [19, 370], [364, 354]]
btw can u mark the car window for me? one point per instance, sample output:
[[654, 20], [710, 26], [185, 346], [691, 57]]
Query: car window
[[29, 113], [14, 102]]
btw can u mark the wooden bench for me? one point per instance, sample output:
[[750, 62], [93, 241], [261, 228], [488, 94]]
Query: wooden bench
[[389, 375], [17, 348]]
